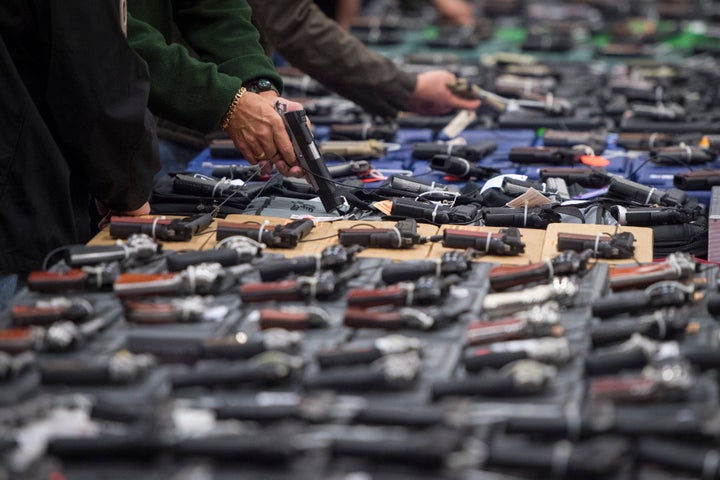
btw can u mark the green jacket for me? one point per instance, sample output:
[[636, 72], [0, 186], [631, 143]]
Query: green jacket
[[195, 89]]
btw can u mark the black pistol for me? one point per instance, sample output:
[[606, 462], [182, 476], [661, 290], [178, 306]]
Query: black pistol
[[310, 159]]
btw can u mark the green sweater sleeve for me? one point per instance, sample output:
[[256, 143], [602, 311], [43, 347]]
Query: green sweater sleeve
[[221, 32], [196, 92]]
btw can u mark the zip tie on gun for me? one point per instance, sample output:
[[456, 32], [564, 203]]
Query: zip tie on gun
[[261, 230], [551, 269], [399, 236], [154, 226], [650, 193], [560, 460], [711, 462], [597, 243]]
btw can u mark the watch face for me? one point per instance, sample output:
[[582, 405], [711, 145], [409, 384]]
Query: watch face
[[263, 85]]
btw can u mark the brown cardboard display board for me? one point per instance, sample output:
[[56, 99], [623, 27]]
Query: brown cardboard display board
[[414, 253], [643, 239], [533, 239], [307, 246], [196, 243]]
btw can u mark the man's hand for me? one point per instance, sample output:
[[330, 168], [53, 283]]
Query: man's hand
[[456, 12], [433, 97], [258, 131]]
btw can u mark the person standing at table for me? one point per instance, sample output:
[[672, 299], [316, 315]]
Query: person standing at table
[[209, 71], [315, 44], [73, 125]]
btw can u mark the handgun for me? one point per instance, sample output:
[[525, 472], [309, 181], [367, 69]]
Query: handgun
[[662, 324], [560, 290], [354, 148], [404, 186], [648, 141], [402, 235], [565, 138], [176, 310], [554, 188], [274, 236], [235, 172], [137, 247], [59, 336], [519, 378], [363, 353], [681, 155], [121, 368], [293, 318], [390, 372], [546, 155], [300, 288], [461, 168], [266, 368], [541, 320], [671, 379], [664, 294], [677, 266], [651, 216], [563, 264], [241, 345], [200, 185], [389, 319], [537, 217], [552, 350], [360, 168], [435, 213], [89, 277], [615, 246], [177, 230], [583, 176], [363, 131], [308, 155], [202, 279], [629, 191], [505, 242], [703, 179], [424, 291], [451, 263], [45, 312], [472, 153], [664, 112], [333, 257]]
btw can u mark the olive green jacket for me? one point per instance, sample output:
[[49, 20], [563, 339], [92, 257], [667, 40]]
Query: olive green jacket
[[195, 89], [316, 45]]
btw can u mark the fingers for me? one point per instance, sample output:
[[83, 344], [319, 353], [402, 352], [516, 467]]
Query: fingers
[[463, 104], [258, 131]]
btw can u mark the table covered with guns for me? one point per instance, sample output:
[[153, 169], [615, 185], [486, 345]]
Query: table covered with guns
[[521, 293]]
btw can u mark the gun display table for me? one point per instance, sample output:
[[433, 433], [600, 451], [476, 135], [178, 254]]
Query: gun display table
[[316, 359]]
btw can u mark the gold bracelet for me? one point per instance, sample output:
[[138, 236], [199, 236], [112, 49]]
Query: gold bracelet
[[231, 109]]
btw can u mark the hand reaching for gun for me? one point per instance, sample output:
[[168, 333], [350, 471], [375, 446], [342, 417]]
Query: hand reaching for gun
[[258, 131], [433, 97]]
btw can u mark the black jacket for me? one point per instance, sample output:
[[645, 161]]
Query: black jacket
[[73, 123]]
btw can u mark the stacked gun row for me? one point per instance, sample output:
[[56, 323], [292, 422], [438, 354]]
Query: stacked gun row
[[323, 366]]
